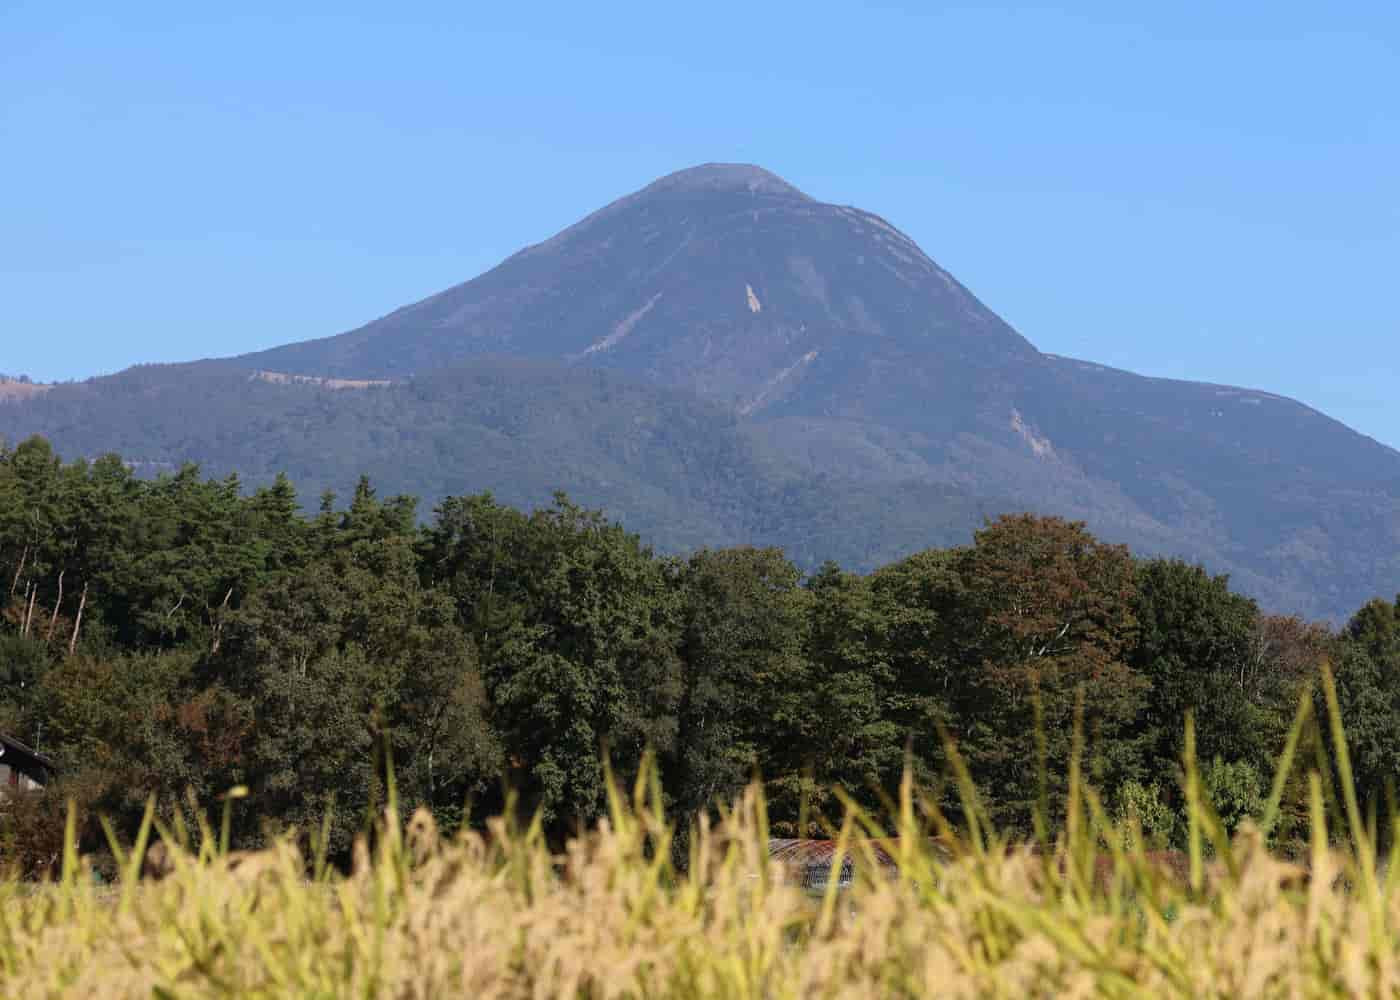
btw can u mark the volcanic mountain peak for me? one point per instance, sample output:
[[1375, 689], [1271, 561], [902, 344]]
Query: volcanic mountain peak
[[725, 177], [722, 279]]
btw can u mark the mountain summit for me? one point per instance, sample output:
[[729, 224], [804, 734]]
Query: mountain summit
[[718, 356], [723, 279], [744, 177]]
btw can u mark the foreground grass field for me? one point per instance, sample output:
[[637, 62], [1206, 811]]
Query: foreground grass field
[[500, 916]]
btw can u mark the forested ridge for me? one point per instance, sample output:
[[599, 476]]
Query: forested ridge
[[679, 471], [181, 636]]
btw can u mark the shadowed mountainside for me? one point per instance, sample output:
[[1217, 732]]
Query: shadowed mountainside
[[681, 471]]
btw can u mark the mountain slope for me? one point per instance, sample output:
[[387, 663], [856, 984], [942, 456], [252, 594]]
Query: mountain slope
[[675, 468], [835, 355]]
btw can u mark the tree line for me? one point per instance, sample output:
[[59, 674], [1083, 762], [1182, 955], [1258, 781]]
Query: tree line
[[182, 636]]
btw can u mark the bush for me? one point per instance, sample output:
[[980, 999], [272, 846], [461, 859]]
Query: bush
[[31, 832], [1234, 789], [1155, 819]]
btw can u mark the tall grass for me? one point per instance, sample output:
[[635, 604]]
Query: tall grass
[[498, 915]]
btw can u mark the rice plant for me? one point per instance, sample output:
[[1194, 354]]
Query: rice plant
[[1082, 911]]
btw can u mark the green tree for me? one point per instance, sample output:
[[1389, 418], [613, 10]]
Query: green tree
[[747, 702], [1375, 629], [351, 655], [1194, 646], [880, 649], [576, 626]]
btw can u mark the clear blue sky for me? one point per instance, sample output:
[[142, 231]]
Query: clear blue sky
[[1206, 191]]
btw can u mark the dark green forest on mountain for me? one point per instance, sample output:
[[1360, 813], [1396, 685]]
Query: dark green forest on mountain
[[677, 470], [179, 636]]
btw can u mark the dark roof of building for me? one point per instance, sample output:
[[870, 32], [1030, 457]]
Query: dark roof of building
[[810, 862], [24, 754], [806, 853]]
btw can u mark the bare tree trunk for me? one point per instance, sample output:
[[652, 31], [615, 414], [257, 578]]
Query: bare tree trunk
[[218, 623], [33, 590], [432, 750], [53, 619], [19, 572], [78, 622]]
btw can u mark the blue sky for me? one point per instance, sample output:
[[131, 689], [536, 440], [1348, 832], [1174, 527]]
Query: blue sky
[[1207, 191]]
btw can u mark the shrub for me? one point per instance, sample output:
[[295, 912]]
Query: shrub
[[31, 832], [1234, 790], [1143, 804]]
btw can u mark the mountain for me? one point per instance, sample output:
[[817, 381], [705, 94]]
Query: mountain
[[724, 280], [827, 358], [681, 471]]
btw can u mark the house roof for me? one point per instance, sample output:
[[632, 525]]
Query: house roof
[[810, 863], [805, 853], [22, 754]]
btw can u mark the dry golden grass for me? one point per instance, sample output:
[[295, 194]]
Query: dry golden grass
[[500, 916]]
